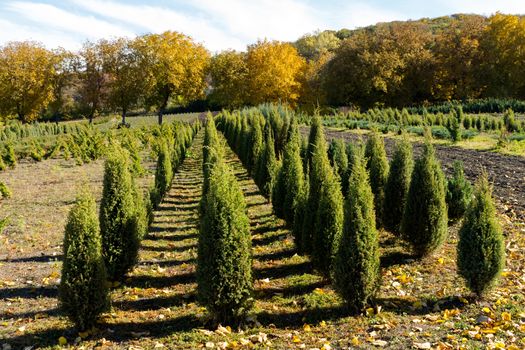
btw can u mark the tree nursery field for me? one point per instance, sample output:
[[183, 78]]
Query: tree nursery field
[[241, 238], [352, 189]]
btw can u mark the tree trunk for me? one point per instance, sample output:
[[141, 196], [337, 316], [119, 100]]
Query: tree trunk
[[160, 114], [124, 117], [163, 106]]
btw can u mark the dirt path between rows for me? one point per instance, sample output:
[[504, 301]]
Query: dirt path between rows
[[506, 172]]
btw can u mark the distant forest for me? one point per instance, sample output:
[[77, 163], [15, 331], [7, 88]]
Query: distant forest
[[396, 64]]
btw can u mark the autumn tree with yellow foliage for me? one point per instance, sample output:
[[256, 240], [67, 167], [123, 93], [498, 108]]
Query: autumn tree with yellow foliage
[[274, 73], [65, 65], [176, 67], [228, 73], [503, 48], [127, 77], [457, 57], [92, 89], [26, 73]]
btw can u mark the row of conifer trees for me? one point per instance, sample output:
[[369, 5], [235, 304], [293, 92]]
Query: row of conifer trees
[[335, 198], [100, 250], [224, 265]]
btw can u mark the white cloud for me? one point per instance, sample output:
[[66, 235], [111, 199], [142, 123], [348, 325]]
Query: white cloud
[[218, 24], [360, 14], [252, 20], [10, 31], [158, 19], [67, 22]]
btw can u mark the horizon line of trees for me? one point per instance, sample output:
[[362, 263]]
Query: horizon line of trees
[[396, 64]]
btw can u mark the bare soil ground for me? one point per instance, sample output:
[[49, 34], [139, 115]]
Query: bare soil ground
[[421, 304], [506, 172]]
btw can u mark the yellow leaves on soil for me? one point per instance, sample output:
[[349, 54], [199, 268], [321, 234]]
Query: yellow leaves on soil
[[7, 283], [223, 330], [505, 316], [52, 278], [404, 279], [448, 314], [62, 341]]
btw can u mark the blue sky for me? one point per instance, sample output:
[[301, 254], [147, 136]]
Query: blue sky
[[218, 24]]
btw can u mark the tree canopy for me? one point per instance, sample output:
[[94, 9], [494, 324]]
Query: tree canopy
[[395, 64]]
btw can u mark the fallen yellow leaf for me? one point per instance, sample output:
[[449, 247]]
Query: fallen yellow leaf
[[370, 311], [62, 341], [488, 331], [505, 316], [404, 279], [441, 261], [355, 341], [296, 339], [307, 328]]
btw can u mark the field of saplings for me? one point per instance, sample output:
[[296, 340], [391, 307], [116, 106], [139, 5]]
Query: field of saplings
[[262, 229]]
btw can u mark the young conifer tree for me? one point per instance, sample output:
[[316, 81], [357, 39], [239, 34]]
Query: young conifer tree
[[267, 163], [299, 218], [481, 246], [164, 170], [210, 152], [397, 185], [377, 165], [315, 127], [350, 153], [256, 146], [459, 193], [118, 219], [315, 139], [339, 161], [241, 147], [279, 191], [325, 206], [83, 291], [142, 214], [328, 222], [293, 174], [224, 268], [357, 266], [425, 221]]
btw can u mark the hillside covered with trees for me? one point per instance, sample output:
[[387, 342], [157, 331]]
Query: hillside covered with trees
[[395, 64]]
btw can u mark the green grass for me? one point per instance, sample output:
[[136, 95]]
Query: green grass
[[140, 121]]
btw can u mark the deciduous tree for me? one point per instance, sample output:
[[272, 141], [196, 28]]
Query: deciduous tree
[[27, 70], [274, 72]]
